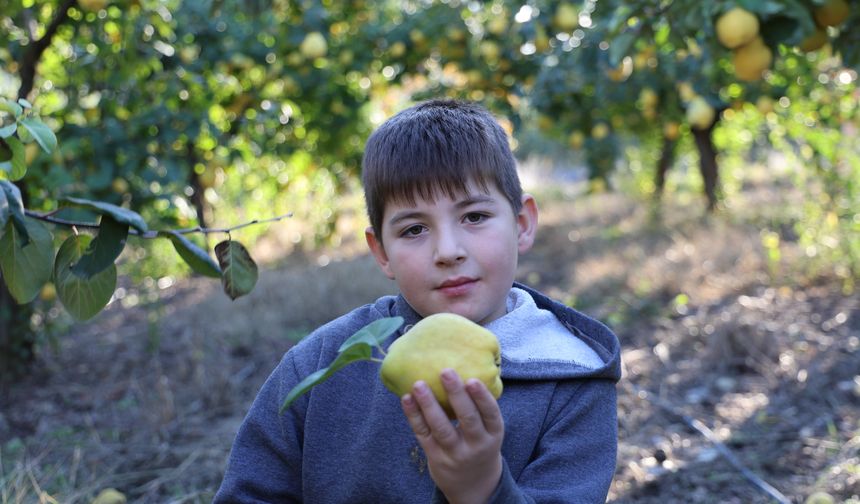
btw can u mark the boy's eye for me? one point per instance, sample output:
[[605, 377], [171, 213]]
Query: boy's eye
[[412, 230], [474, 217]]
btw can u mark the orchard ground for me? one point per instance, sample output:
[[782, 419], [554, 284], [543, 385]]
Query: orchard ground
[[147, 398]]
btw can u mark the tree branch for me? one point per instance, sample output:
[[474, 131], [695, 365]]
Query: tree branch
[[49, 217]]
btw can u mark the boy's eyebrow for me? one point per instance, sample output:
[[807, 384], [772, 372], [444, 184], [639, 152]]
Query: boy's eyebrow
[[469, 200]]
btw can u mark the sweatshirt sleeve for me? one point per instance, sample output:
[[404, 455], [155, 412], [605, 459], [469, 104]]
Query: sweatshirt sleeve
[[574, 460], [266, 458]]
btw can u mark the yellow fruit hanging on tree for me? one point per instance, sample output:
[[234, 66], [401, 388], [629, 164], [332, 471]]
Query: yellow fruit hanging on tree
[[832, 13], [815, 41], [576, 140], [752, 60], [314, 45], [671, 130], [600, 131], [737, 27], [92, 5], [700, 113], [566, 17]]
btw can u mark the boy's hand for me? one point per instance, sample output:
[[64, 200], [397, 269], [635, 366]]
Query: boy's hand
[[464, 460]]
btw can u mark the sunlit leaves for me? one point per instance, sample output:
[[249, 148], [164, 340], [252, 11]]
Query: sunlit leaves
[[82, 297], [238, 269]]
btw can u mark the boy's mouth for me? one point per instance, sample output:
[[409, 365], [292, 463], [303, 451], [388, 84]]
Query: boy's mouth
[[456, 286]]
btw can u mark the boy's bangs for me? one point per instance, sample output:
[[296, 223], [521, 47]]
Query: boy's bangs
[[428, 175]]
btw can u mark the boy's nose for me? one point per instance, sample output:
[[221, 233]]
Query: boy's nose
[[449, 249]]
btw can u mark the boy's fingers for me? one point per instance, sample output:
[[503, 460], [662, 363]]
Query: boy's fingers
[[414, 417], [487, 406], [436, 419], [462, 403]]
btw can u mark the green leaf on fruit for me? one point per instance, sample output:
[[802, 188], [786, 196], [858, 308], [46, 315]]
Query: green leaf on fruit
[[119, 214], [238, 269], [103, 250], [373, 334], [26, 266], [357, 352], [197, 258], [41, 132], [83, 298]]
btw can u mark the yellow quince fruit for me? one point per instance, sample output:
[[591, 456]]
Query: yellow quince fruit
[[440, 341]]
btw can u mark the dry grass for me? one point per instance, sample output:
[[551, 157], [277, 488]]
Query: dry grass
[[147, 399]]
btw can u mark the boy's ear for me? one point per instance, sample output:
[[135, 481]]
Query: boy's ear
[[527, 220], [378, 251]]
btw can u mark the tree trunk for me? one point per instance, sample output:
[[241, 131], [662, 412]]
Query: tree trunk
[[708, 164], [667, 158]]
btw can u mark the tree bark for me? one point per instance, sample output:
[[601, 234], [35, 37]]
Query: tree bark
[[667, 158], [708, 164]]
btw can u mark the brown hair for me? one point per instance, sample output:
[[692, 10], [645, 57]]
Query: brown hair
[[437, 145]]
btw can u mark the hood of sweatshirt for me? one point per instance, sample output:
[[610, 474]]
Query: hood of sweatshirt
[[540, 338]]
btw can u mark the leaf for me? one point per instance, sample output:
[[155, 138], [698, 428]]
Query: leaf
[[103, 250], [374, 333], [41, 132], [357, 352], [25, 103], [8, 130], [11, 107], [26, 267], [82, 297], [5, 212], [621, 46], [119, 214], [238, 269], [194, 256], [16, 209], [16, 166]]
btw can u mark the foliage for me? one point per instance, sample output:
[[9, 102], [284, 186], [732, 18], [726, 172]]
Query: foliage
[[190, 114]]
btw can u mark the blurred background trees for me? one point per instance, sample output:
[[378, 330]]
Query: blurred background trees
[[210, 113]]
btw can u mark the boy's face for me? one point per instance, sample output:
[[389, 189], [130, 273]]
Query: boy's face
[[456, 255]]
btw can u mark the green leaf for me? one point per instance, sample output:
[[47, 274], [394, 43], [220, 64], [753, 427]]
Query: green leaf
[[26, 267], [41, 132], [5, 212], [119, 214], [8, 130], [620, 46], [238, 269], [25, 103], [194, 256], [16, 209], [11, 107], [373, 334], [103, 250], [16, 166], [83, 298], [357, 352]]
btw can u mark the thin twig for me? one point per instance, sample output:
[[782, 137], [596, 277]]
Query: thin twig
[[49, 217], [724, 450]]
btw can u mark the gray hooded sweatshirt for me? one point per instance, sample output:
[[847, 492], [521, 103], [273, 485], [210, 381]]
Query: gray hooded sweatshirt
[[347, 440]]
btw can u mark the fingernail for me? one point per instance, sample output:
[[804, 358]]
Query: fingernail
[[449, 375], [420, 387], [407, 400]]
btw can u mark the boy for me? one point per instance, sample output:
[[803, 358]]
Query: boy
[[448, 221]]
